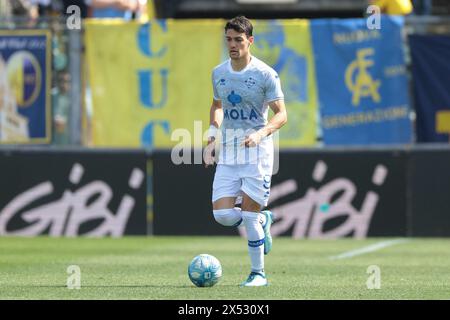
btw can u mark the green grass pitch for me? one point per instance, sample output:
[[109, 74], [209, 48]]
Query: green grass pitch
[[156, 268]]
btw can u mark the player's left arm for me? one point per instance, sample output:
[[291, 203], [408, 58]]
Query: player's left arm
[[276, 122]]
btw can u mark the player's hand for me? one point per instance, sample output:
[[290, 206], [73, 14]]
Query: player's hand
[[252, 140], [209, 153]]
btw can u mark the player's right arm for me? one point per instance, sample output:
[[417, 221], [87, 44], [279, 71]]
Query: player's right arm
[[215, 121], [215, 114]]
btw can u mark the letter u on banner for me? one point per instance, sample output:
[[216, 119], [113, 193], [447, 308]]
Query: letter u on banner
[[146, 89]]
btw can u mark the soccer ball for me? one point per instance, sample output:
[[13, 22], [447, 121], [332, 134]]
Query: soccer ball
[[205, 270]]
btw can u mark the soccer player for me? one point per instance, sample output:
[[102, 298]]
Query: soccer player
[[244, 87]]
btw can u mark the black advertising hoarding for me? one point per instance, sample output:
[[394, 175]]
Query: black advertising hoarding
[[430, 192], [182, 198], [316, 194], [332, 194], [72, 192]]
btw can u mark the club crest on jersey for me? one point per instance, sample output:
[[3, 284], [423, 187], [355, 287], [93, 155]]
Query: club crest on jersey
[[236, 114], [234, 98], [250, 82]]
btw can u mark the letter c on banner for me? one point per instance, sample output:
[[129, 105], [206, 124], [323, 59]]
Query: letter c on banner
[[147, 136], [145, 39]]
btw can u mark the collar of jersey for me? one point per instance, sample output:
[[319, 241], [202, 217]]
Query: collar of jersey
[[230, 68]]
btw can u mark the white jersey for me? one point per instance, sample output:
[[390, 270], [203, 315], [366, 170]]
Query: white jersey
[[245, 96]]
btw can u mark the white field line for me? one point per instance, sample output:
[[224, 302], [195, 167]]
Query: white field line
[[371, 248]]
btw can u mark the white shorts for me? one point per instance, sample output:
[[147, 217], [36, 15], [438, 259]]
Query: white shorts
[[251, 179]]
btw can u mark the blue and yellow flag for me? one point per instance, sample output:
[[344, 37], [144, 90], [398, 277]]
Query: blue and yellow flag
[[25, 75], [362, 82], [431, 73]]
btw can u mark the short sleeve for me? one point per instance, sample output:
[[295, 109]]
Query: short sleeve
[[215, 93], [273, 87]]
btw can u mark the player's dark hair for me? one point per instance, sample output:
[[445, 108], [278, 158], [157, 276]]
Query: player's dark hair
[[240, 24]]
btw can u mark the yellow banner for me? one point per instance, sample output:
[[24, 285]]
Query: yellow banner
[[286, 46], [148, 80]]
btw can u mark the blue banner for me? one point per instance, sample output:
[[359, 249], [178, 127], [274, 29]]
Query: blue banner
[[25, 86], [431, 78], [362, 83]]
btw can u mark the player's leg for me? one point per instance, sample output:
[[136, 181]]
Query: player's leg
[[256, 184], [255, 236], [226, 188], [226, 213], [256, 179]]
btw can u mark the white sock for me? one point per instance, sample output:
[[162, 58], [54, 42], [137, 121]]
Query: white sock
[[262, 219], [228, 217], [255, 236]]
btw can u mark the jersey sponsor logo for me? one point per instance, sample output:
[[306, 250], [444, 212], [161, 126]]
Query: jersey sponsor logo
[[234, 98], [239, 114]]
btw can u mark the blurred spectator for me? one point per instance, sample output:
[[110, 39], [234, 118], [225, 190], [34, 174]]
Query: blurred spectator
[[44, 7], [5, 9], [125, 9], [22, 9], [422, 7], [61, 108], [394, 7]]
